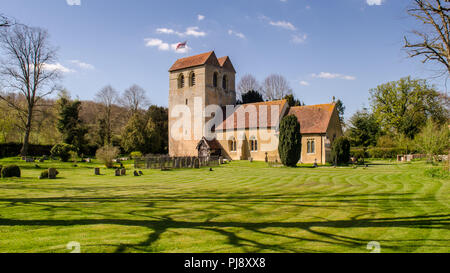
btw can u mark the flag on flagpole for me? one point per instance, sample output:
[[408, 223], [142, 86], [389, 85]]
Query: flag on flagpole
[[181, 45]]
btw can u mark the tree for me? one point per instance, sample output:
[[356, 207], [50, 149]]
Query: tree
[[134, 99], [107, 96], [107, 154], [290, 146], [433, 43], [5, 21], [246, 84], [251, 96], [403, 107], [27, 71], [341, 110], [135, 136], [340, 151], [276, 87], [433, 140], [364, 129], [70, 125], [159, 128], [292, 101]]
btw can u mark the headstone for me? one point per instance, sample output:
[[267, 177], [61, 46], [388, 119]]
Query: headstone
[[250, 159], [52, 173], [123, 172], [29, 160], [42, 160], [88, 160], [117, 172], [136, 173], [221, 160], [97, 171], [196, 163]]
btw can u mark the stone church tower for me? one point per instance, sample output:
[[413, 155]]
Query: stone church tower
[[199, 80]]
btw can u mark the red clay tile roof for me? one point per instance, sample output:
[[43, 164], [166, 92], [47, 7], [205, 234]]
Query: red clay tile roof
[[260, 121], [225, 62], [197, 60], [313, 119]]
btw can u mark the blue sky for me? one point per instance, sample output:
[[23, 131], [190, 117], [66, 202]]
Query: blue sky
[[324, 48]]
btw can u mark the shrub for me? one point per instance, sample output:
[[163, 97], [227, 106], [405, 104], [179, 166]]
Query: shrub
[[63, 151], [358, 153], [136, 155], [13, 149], [44, 174], [290, 145], [340, 151], [107, 154], [386, 153], [11, 171]]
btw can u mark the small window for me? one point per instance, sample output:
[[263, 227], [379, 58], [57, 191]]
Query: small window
[[181, 81], [232, 145], [215, 79], [253, 144], [187, 101], [311, 146], [192, 79], [225, 82]]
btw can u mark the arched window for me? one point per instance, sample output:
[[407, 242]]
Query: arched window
[[253, 144], [215, 79], [181, 81], [232, 145], [224, 82], [192, 79]]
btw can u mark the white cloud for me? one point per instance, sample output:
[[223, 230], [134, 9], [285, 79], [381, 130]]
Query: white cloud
[[73, 2], [200, 17], [190, 31], [330, 76], [299, 38], [237, 34], [83, 65], [283, 24], [163, 46], [374, 2], [57, 67], [304, 83]]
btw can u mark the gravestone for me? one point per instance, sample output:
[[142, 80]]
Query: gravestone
[[221, 160], [52, 173], [123, 172], [88, 160], [136, 173], [29, 160], [97, 171], [117, 172], [42, 160]]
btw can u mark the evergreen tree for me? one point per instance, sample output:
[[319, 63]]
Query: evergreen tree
[[340, 151], [251, 96], [290, 145], [70, 125]]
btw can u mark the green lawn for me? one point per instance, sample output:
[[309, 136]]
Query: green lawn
[[239, 207]]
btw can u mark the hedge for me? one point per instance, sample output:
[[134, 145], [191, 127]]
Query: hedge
[[13, 149], [382, 153]]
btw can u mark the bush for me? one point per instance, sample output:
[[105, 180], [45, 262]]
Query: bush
[[44, 174], [358, 153], [11, 171], [63, 151], [136, 155], [107, 154], [290, 146], [341, 151]]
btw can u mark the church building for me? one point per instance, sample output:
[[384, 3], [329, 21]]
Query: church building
[[199, 84]]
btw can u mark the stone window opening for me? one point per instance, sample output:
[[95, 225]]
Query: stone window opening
[[225, 82], [253, 144], [192, 79], [181, 81], [232, 145], [215, 79]]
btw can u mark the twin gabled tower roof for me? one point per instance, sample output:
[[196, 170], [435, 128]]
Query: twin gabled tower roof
[[202, 59]]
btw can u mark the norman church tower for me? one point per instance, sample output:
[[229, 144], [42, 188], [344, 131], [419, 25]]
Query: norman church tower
[[199, 80]]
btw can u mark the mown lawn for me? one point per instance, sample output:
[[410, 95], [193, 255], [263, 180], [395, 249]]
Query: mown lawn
[[239, 207]]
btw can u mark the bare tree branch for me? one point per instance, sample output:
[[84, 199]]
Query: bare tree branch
[[433, 43], [276, 87]]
